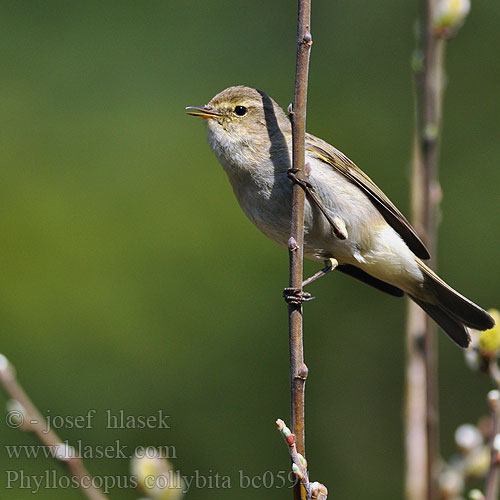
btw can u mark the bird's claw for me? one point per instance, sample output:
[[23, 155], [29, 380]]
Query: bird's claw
[[296, 296], [292, 174]]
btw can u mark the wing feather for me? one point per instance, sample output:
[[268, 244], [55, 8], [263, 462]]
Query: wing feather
[[338, 161]]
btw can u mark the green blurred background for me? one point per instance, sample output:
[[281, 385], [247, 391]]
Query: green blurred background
[[130, 278]]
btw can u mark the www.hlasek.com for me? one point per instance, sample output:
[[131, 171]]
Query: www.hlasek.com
[[53, 479], [64, 451]]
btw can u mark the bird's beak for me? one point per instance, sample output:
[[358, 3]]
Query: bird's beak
[[204, 112]]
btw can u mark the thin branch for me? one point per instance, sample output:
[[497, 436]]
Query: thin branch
[[493, 475], [494, 371], [29, 418], [296, 251], [298, 459], [422, 425], [299, 466]]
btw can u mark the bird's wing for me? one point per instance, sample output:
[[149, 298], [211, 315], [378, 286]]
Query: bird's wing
[[338, 161], [361, 275]]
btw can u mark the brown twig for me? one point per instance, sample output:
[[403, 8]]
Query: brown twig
[[31, 419], [296, 250], [421, 422]]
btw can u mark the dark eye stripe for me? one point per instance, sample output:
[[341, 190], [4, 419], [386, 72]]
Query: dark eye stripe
[[240, 110]]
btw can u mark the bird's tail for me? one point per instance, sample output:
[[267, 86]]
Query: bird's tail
[[450, 310]]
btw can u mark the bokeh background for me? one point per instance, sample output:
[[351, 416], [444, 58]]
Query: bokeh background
[[131, 280]]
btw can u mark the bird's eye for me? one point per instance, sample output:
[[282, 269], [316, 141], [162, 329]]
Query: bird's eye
[[240, 110]]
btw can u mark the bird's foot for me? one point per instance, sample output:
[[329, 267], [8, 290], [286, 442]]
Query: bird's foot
[[292, 174], [296, 296]]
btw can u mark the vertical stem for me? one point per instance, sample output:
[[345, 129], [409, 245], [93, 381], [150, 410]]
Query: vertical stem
[[493, 476], [415, 410], [422, 425], [297, 375]]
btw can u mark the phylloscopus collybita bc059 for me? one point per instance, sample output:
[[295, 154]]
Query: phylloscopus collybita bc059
[[252, 138]]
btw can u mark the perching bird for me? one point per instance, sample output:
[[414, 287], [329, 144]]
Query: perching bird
[[252, 138]]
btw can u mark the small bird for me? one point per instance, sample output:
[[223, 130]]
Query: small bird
[[252, 138]]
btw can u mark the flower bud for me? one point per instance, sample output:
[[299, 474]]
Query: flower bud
[[494, 399], [476, 494], [323, 489], [468, 437], [489, 340], [496, 443], [318, 491], [283, 428], [303, 371], [314, 490], [448, 17], [451, 483], [296, 470], [477, 462], [156, 476], [472, 359]]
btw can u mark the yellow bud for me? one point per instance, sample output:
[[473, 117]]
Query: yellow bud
[[449, 15], [476, 494], [477, 463], [489, 340], [155, 475]]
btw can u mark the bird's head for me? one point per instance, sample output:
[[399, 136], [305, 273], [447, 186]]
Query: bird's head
[[243, 123]]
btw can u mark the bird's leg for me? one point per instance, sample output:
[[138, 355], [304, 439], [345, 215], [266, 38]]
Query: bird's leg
[[330, 265], [297, 296]]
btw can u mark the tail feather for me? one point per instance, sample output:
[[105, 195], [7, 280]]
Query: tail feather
[[456, 305], [450, 310], [451, 326]]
